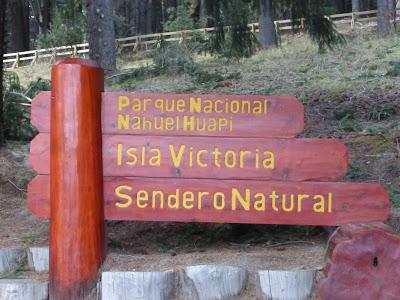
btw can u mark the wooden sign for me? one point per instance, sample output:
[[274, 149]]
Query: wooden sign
[[233, 201], [175, 157], [203, 157], [190, 115]]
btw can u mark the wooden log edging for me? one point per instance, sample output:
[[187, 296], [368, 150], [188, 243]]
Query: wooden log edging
[[200, 282], [137, 285], [213, 282], [10, 259], [23, 289], [296, 285], [38, 259]]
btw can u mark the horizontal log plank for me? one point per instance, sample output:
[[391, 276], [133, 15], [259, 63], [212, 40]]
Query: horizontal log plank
[[190, 114], [201, 157], [326, 203]]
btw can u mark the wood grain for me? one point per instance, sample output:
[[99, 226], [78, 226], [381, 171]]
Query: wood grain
[[284, 117], [296, 285], [77, 245], [362, 263], [294, 159], [352, 202]]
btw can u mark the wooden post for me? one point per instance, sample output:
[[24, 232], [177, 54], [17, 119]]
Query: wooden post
[[54, 55], [16, 63], [77, 244], [35, 58], [353, 20]]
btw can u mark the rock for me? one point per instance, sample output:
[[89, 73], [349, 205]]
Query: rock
[[286, 285], [38, 259], [10, 259], [23, 289], [213, 282], [137, 285]]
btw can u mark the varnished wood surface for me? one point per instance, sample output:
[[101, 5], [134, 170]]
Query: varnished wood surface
[[362, 263], [76, 190], [284, 117], [293, 159], [352, 202]]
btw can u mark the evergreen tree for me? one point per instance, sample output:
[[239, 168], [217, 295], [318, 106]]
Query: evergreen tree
[[238, 41], [2, 48], [310, 14]]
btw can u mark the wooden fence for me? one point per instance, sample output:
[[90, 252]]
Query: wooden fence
[[149, 41]]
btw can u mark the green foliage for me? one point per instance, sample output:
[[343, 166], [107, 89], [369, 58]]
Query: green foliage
[[395, 197], [313, 13], [356, 173], [179, 18], [172, 58], [68, 25], [16, 106], [383, 111], [238, 40], [121, 26], [347, 123], [394, 70], [176, 58], [201, 76]]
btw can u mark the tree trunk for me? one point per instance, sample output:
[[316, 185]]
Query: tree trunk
[[149, 17], [384, 17], [18, 12], [267, 26], [397, 15], [101, 34], [42, 14], [203, 13], [2, 47], [355, 5], [46, 16]]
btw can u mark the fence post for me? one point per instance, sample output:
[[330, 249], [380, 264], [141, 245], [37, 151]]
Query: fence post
[[16, 63], [77, 244], [278, 32], [53, 55], [34, 59], [136, 48], [353, 20]]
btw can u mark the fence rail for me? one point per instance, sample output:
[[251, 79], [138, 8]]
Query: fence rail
[[145, 42]]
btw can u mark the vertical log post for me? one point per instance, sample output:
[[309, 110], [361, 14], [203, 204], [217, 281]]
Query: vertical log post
[[77, 244]]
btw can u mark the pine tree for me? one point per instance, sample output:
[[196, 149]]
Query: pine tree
[[2, 48], [309, 14]]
